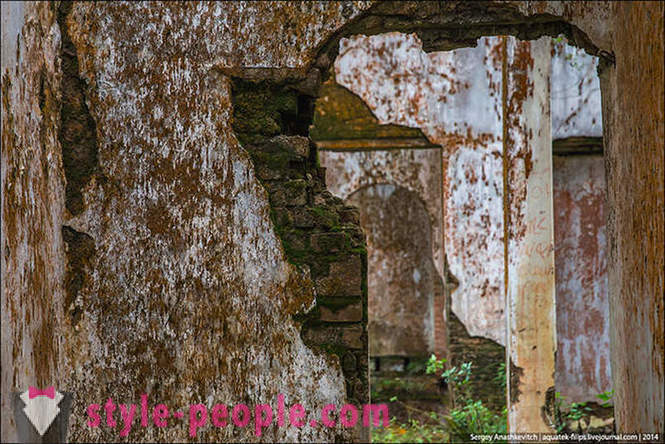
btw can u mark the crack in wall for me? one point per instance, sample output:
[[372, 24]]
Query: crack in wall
[[78, 133], [80, 249]]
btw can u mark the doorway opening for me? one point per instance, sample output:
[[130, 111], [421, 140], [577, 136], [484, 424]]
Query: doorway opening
[[516, 94], [383, 89]]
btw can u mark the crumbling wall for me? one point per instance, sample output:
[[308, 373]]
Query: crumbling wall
[[161, 113], [33, 194], [634, 135], [473, 168], [583, 326], [419, 172], [457, 106], [189, 270], [188, 296], [357, 151], [319, 232], [488, 360]]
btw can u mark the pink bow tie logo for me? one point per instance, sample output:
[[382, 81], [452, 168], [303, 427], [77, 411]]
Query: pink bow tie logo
[[33, 392]]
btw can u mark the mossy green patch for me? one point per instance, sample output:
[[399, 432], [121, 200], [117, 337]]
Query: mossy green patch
[[261, 110]]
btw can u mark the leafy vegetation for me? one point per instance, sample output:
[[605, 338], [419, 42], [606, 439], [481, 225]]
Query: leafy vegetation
[[412, 431], [606, 398], [468, 416], [567, 415]]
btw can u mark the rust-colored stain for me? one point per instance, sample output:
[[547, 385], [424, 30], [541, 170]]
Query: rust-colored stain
[[517, 145], [161, 110], [403, 281], [634, 123], [583, 336]]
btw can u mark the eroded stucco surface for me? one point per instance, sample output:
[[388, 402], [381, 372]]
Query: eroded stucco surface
[[529, 231], [399, 85], [151, 95], [457, 106], [186, 294], [582, 307], [188, 273], [634, 130], [418, 171], [403, 280], [32, 202]]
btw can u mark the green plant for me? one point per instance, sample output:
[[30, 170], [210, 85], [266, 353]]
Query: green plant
[[468, 416], [458, 379], [411, 431], [578, 410], [606, 397], [434, 365], [500, 377], [475, 418], [575, 412]]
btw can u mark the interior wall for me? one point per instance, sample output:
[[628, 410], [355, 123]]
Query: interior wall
[[582, 312], [277, 41], [403, 281], [634, 133]]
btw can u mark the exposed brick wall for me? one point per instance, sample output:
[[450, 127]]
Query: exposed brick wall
[[486, 356], [319, 232], [440, 326]]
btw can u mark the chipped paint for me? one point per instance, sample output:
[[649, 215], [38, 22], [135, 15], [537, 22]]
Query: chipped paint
[[529, 231], [173, 212], [402, 85], [403, 282], [582, 305], [138, 59], [396, 80]]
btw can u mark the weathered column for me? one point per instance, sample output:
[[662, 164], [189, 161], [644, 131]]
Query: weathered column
[[529, 231]]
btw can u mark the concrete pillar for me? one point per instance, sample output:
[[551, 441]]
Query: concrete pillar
[[530, 303]]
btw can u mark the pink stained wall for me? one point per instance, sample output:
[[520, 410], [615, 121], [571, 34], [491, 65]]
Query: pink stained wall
[[583, 356]]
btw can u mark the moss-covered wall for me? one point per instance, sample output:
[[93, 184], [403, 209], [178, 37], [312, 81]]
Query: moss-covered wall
[[320, 233]]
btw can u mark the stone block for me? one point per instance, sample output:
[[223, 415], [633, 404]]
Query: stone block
[[297, 145], [329, 242], [282, 216], [350, 313], [290, 193], [349, 363], [325, 217], [350, 215], [350, 337], [294, 240], [303, 217], [323, 198], [344, 279]]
